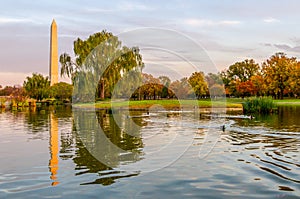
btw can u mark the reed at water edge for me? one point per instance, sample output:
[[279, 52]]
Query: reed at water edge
[[263, 105]]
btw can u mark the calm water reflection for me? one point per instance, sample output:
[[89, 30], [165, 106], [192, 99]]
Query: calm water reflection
[[63, 154]]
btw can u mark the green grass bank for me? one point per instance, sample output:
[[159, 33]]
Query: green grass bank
[[175, 104], [168, 104]]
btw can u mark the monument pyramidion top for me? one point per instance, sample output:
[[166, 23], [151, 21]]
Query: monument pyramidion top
[[53, 22]]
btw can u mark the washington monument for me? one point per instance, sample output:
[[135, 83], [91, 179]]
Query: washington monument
[[53, 69]]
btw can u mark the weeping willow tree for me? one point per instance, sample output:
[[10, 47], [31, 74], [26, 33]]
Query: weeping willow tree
[[100, 62], [37, 86]]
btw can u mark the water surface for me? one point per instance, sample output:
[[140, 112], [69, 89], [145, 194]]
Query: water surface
[[65, 153]]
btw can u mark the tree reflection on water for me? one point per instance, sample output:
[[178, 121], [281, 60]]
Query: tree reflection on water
[[93, 140], [102, 145]]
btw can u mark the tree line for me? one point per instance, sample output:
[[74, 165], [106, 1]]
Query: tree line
[[116, 70], [197, 85], [38, 87], [278, 76], [104, 68]]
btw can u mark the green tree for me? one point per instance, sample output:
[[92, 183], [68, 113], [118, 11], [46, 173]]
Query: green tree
[[213, 79], [243, 70], [61, 91], [7, 91], [181, 89], [37, 86], [165, 81], [151, 87], [215, 84], [105, 59], [225, 79], [216, 90], [197, 81], [238, 73], [127, 85]]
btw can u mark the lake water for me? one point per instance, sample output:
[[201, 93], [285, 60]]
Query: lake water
[[65, 153]]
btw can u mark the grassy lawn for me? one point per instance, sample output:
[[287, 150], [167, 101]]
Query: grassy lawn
[[283, 102], [168, 104], [288, 102], [173, 104]]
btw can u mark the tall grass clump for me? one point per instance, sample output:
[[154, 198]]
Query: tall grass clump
[[263, 105], [2, 102]]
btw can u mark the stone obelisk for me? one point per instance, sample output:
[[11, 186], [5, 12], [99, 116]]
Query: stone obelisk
[[53, 72]]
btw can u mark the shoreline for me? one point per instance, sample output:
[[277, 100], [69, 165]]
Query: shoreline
[[204, 105]]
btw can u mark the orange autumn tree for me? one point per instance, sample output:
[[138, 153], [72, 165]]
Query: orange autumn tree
[[259, 85], [294, 81], [246, 89], [277, 71]]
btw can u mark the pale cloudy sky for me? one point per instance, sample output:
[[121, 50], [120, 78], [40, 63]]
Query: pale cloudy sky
[[206, 33]]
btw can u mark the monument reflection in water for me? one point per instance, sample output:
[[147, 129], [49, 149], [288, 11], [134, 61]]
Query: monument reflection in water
[[54, 148]]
